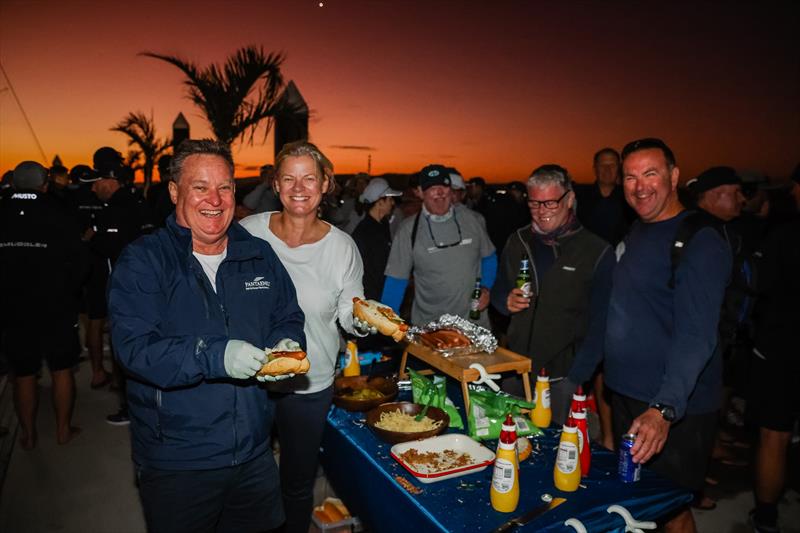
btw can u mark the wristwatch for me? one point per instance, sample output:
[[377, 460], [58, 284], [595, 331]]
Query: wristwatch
[[667, 411]]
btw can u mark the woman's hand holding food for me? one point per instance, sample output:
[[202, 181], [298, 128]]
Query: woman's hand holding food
[[363, 328]]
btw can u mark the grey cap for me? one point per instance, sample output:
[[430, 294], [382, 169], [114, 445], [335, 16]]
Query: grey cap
[[377, 188], [29, 175]]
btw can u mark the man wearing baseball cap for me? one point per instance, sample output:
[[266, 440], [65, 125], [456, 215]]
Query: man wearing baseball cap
[[372, 234], [121, 220], [42, 266], [447, 249]]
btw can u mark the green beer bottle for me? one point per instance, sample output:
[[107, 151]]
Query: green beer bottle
[[524, 279], [474, 312]]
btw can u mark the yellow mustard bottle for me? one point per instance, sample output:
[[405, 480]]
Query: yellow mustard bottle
[[352, 366], [504, 493], [567, 471], [542, 414]]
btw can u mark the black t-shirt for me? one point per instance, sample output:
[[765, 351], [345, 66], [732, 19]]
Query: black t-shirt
[[374, 242]]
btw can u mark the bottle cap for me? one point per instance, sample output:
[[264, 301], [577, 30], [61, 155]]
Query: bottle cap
[[509, 424], [543, 372], [579, 390]]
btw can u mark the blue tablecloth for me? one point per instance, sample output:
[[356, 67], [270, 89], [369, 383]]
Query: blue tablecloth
[[361, 470]]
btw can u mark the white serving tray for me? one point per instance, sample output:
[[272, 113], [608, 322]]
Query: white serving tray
[[480, 454]]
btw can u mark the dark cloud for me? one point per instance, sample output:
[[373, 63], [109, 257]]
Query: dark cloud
[[354, 147]]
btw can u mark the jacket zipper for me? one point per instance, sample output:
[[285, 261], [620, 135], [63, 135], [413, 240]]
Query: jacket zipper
[[158, 414], [221, 296]]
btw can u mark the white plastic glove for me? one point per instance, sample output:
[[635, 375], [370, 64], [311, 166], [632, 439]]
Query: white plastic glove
[[363, 328], [286, 345], [283, 345], [242, 360]]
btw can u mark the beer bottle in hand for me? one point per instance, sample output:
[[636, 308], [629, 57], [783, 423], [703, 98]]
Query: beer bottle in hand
[[524, 279], [474, 312]]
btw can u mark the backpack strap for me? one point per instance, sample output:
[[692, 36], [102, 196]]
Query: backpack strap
[[687, 229]]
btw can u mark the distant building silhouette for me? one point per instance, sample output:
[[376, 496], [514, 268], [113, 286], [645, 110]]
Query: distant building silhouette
[[57, 161], [291, 119], [180, 130]]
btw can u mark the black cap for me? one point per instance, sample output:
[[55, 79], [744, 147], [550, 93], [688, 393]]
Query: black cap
[[82, 173], [712, 178], [107, 163], [434, 175]]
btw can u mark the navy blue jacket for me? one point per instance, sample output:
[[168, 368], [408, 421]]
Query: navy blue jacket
[[170, 329]]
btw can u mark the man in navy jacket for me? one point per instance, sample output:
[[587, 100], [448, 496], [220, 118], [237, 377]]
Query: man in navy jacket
[[192, 308]]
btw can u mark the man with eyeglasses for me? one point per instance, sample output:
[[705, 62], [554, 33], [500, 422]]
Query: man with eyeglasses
[[447, 249], [571, 280]]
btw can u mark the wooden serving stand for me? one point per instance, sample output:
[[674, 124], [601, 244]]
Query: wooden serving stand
[[457, 366]]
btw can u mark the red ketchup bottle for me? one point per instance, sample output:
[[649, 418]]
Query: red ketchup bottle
[[578, 400], [583, 440]]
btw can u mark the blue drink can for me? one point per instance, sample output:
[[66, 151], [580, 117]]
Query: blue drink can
[[628, 470]]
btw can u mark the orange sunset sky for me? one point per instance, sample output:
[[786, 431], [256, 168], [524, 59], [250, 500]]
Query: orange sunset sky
[[493, 88]]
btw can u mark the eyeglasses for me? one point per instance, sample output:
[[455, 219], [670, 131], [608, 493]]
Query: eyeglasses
[[548, 204], [441, 245]]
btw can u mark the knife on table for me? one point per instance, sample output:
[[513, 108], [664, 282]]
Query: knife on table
[[523, 519]]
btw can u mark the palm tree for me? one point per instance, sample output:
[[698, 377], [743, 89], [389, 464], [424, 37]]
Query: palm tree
[[237, 96], [141, 134]]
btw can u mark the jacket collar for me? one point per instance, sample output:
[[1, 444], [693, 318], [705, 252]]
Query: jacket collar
[[241, 245]]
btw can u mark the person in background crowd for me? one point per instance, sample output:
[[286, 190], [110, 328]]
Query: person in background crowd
[[717, 194], [571, 281], [601, 205], [343, 213], [603, 211], [457, 186], [775, 370], [86, 202], [158, 199], [59, 186], [477, 199], [191, 335], [43, 264], [446, 248], [372, 234], [660, 358], [326, 269], [262, 198], [121, 220]]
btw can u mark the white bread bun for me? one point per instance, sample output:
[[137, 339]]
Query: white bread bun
[[380, 316], [285, 364]]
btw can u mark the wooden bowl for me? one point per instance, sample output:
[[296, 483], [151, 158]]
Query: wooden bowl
[[387, 387], [413, 409]]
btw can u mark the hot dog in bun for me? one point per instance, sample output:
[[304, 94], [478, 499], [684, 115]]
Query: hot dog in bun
[[285, 362], [382, 317]]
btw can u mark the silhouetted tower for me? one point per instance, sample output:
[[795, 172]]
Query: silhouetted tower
[[57, 162], [291, 118], [180, 130]]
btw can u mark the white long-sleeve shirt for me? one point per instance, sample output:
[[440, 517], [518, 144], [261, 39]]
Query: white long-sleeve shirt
[[326, 275]]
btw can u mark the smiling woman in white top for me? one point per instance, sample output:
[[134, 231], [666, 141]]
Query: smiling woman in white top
[[326, 270]]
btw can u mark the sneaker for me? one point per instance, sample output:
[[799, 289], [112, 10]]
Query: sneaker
[[761, 528], [120, 418]]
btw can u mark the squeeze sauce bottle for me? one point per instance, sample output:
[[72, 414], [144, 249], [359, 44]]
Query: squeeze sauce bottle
[[567, 471], [504, 493], [541, 414], [351, 366], [583, 441], [578, 400]]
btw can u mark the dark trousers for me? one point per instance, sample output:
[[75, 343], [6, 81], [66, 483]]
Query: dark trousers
[[687, 451], [301, 422], [241, 498]]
